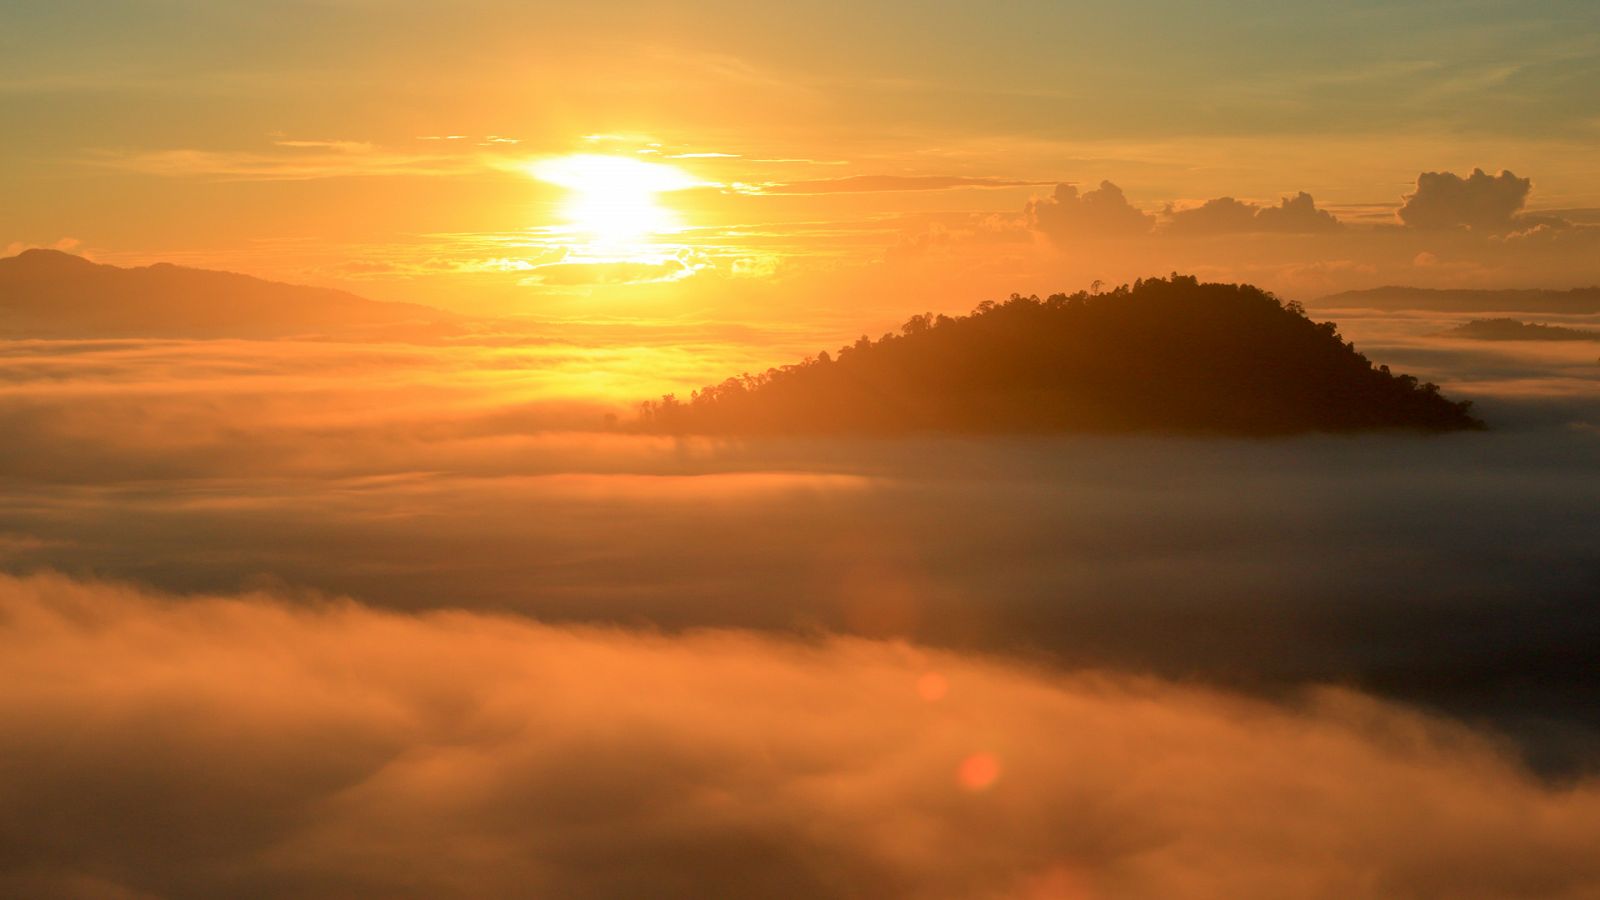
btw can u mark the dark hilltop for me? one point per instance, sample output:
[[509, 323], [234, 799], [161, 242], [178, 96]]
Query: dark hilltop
[[1161, 355]]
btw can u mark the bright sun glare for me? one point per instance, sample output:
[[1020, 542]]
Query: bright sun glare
[[614, 199]]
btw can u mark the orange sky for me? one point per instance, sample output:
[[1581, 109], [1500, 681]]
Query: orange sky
[[848, 164]]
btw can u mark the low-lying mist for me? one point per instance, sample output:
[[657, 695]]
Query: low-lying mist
[[1455, 571], [251, 745], [316, 620]]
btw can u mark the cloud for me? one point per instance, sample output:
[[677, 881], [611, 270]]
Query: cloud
[[1547, 229], [295, 160], [335, 145], [882, 183], [1479, 202], [612, 272], [802, 160], [1225, 215], [483, 476], [252, 745], [988, 231], [65, 245], [1067, 215]]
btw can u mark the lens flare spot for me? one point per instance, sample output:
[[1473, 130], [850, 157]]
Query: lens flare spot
[[932, 686], [978, 771]]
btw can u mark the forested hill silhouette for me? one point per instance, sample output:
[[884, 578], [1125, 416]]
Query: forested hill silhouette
[[1515, 330], [1169, 355], [50, 294]]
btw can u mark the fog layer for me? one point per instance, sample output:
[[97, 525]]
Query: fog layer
[[251, 747], [1456, 572]]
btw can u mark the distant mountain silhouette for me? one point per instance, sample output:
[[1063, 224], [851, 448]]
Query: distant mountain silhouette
[[1577, 300], [1168, 355], [50, 294], [1513, 330]]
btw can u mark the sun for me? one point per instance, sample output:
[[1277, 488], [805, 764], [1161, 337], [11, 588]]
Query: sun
[[614, 200]]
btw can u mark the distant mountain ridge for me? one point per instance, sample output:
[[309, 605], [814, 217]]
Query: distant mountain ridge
[[1577, 300], [50, 294], [1162, 355]]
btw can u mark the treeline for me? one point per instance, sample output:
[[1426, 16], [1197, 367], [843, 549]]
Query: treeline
[[1166, 354], [1514, 330]]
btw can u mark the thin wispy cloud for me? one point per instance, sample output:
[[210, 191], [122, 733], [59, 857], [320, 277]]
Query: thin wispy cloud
[[889, 183], [318, 160]]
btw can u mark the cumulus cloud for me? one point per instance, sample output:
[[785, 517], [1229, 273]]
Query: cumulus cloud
[[1067, 215], [1480, 202], [247, 746], [1225, 215]]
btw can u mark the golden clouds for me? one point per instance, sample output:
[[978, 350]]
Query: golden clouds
[[187, 747]]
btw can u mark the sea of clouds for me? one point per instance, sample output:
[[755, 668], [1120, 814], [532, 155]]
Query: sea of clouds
[[321, 620]]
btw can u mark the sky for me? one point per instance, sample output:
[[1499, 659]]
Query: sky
[[827, 155]]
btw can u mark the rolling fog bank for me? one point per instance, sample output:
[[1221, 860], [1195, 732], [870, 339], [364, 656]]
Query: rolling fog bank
[[1454, 571], [297, 619], [260, 746]]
